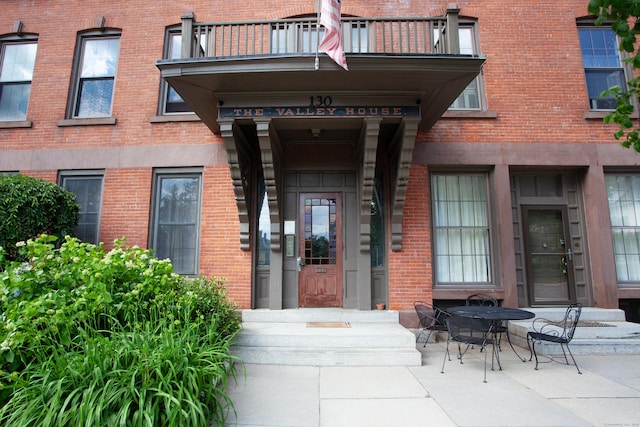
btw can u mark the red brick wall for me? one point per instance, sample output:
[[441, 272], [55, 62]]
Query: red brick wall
[[410, 269], [220, 253], [125, 206], [533, 78], [127, 191], [47, 175]]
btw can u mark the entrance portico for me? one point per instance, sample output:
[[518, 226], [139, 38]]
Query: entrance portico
[[301, 175], [338, 143]]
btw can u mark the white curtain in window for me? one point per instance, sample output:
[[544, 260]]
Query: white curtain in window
[[624, 209], [461, 228]]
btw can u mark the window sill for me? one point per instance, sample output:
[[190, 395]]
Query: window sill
[[599, 115], [15, 124], [469, 114], [628, 292], [192, 117], [95, 121], [463, 293]]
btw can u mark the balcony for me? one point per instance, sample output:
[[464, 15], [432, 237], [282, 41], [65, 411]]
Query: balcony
[[393, 62]]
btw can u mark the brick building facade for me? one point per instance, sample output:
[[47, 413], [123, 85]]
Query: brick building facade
[[464, 150]]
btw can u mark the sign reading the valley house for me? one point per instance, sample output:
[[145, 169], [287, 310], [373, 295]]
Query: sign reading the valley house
[[318, 111]]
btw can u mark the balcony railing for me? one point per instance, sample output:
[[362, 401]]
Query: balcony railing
[[382, 36]]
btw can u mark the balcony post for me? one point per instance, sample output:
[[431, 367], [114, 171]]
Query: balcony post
[[453, 40], [186, 50]]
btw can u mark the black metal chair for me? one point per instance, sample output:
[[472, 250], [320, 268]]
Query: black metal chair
[[556, 332], [431, 319], [471, 332], [485, 300], [482, 300]]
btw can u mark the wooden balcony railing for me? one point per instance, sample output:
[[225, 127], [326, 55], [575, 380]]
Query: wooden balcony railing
[[382, 36]]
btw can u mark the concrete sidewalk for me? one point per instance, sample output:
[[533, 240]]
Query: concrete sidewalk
[[606, 394]]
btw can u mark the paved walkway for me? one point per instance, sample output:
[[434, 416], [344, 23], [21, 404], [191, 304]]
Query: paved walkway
[[606, 394]]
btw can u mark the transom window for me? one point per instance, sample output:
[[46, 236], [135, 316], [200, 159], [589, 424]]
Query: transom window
[[176, 218], [623, 192], [461, 229], [16, 72], [97, 64], [602, 65]]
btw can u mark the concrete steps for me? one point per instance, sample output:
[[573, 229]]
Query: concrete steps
[[325, 337], [619, 337]]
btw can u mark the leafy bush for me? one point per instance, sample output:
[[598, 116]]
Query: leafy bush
[[95, 338], [30, 206]]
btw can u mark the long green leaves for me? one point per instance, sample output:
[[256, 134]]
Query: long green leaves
[[134, 345]]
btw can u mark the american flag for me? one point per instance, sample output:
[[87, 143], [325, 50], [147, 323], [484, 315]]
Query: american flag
[[332, 41]]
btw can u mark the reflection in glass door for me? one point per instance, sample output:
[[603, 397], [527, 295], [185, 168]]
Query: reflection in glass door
[[549, 260], [320, 278]]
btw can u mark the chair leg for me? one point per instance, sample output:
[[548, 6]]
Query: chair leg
[[572, 358], [496, 353], [446, 353], [485, 363], [533, 350], [462, 353], [428, 336], [564, 353], [514, 350]]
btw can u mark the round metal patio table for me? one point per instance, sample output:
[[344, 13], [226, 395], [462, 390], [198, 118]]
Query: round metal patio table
[[494, 314]]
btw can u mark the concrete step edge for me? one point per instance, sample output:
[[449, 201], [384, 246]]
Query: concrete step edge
[[329, 356], [314, 342], [320, 315]]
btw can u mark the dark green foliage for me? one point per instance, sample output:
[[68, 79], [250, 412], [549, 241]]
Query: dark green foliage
[[30, 206], [623, 17], [115, 338]]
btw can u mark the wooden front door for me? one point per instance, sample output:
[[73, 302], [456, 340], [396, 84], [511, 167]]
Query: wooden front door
[[549, 260], [320, 278]]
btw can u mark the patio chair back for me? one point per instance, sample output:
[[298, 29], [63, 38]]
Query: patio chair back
[[431, 319], [570, 321], [468, 330], [482, 300], [556, 332], [472, 332]]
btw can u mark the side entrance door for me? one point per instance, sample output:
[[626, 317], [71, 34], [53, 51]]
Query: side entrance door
[[320, 238], [548, 257]]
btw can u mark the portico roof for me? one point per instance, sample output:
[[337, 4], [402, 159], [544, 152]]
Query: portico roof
[[431, 82]]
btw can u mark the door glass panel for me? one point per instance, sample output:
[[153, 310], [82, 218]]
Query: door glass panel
[[320, 231], [548, 264]]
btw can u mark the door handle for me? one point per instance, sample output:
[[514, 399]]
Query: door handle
[[299, 264]]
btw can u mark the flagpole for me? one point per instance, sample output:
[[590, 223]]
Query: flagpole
[[317, 63]]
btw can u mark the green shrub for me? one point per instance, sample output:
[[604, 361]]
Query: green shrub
[[30, 206], [116, 338]]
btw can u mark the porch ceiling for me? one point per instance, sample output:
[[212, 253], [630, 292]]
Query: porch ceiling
[[432, 81]]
